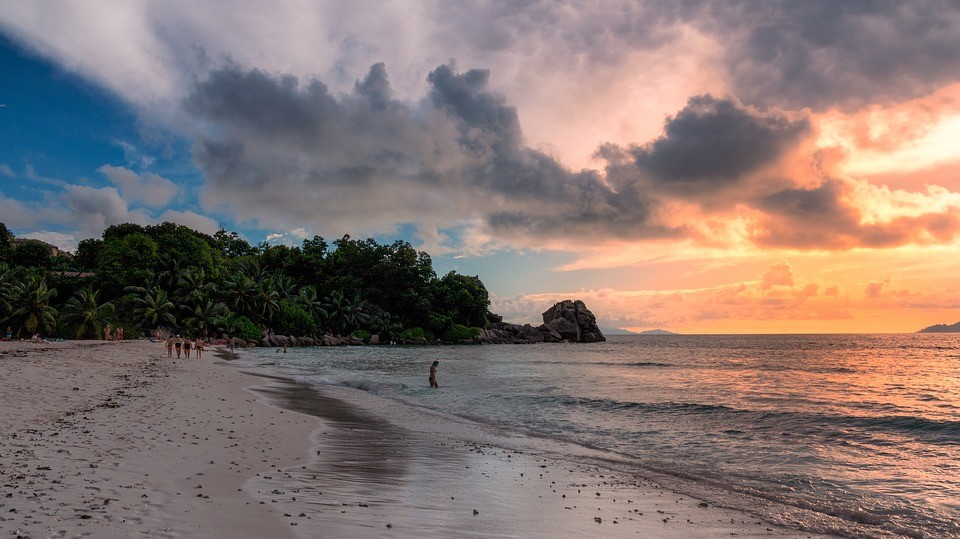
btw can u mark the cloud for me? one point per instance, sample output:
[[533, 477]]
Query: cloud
[[874, 289], [133, 155], [5, 170], [845, 215], [92, 210], [19, 214], [714, 143], [331, 161], [65, 241], [147, 188], [821, 54], [200, 223], [287, 137], [778, 275]]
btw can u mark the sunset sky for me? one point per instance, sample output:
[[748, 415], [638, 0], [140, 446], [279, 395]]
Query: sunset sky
[[697, 166]]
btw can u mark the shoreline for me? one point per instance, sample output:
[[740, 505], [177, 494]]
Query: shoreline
[[115, 440]]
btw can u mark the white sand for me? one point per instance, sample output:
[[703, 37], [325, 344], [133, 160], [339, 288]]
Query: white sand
[[116, 440]]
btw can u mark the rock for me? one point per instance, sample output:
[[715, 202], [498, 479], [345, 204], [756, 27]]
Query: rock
[[567, 321], [374, 339], [567, 329], [573, 321]]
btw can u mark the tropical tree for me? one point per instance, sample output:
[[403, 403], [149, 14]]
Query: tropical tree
[[207, 317], [345, 314], [194, 288], [265, 301], [169, 275], [152, 307], [6, 279], [284, 285], [307, 299], [31, 299], [238, 293], [86, 314]]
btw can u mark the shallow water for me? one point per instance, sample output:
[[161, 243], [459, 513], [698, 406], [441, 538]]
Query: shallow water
[[862, 427]]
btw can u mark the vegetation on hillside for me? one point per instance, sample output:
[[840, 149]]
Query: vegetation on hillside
[[167, 275]]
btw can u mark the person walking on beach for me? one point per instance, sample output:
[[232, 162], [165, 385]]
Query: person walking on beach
[[198, 346], [9, 333], [433, 373], [178, 344], [106, 333], [120, 333], [186, 348], [169, 345]]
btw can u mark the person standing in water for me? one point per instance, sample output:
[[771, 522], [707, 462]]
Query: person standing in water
[[433, 373]]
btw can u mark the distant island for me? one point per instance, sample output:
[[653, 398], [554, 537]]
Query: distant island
[[942, 328], [657, 332], [618, 331]]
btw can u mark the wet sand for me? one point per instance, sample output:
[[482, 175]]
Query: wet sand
[[117, 440]]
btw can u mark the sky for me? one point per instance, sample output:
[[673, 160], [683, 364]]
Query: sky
[[696, 166]]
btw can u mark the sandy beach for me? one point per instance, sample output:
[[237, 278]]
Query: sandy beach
[[116, 440]]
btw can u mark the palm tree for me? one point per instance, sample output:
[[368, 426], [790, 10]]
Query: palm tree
[[31, 296], [6, 275], [307, 298], [266, 301], [193, 287], [169, 276], [84, 311], [238, 293], [206, 317], [152, 307], [284, 285], [345, 315]]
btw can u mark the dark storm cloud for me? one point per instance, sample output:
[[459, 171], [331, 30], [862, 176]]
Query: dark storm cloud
[[301, 154], [714, 142], [823, 53], [821, 218], [788, 53]]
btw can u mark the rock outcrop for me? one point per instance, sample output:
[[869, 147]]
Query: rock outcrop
[[567, 321]]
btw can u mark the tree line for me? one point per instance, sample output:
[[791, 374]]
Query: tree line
[[170, 276]]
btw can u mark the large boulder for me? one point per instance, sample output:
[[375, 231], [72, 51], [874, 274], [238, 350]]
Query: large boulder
[[567, 321], [573, 321]]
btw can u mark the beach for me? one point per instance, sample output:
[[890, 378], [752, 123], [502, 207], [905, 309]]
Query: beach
[[116, 440]]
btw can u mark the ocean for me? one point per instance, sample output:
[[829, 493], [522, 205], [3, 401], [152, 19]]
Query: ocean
[[860, 428]]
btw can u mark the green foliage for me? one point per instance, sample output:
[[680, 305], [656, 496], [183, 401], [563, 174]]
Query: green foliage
[[87, 252], [361, 334], [152, 308], [416, 335], [293, 320], [207, 318], [32, 254], [244, 328], [459, 332], [127, 261], [464, 299], [170, 275], [84, 316], [31, 300], [6, 244], [232, 245]]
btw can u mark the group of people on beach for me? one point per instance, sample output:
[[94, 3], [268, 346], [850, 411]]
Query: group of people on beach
[[185, 346], [110, 335]]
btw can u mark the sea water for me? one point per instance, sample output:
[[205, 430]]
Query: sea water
[[865, 428]]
